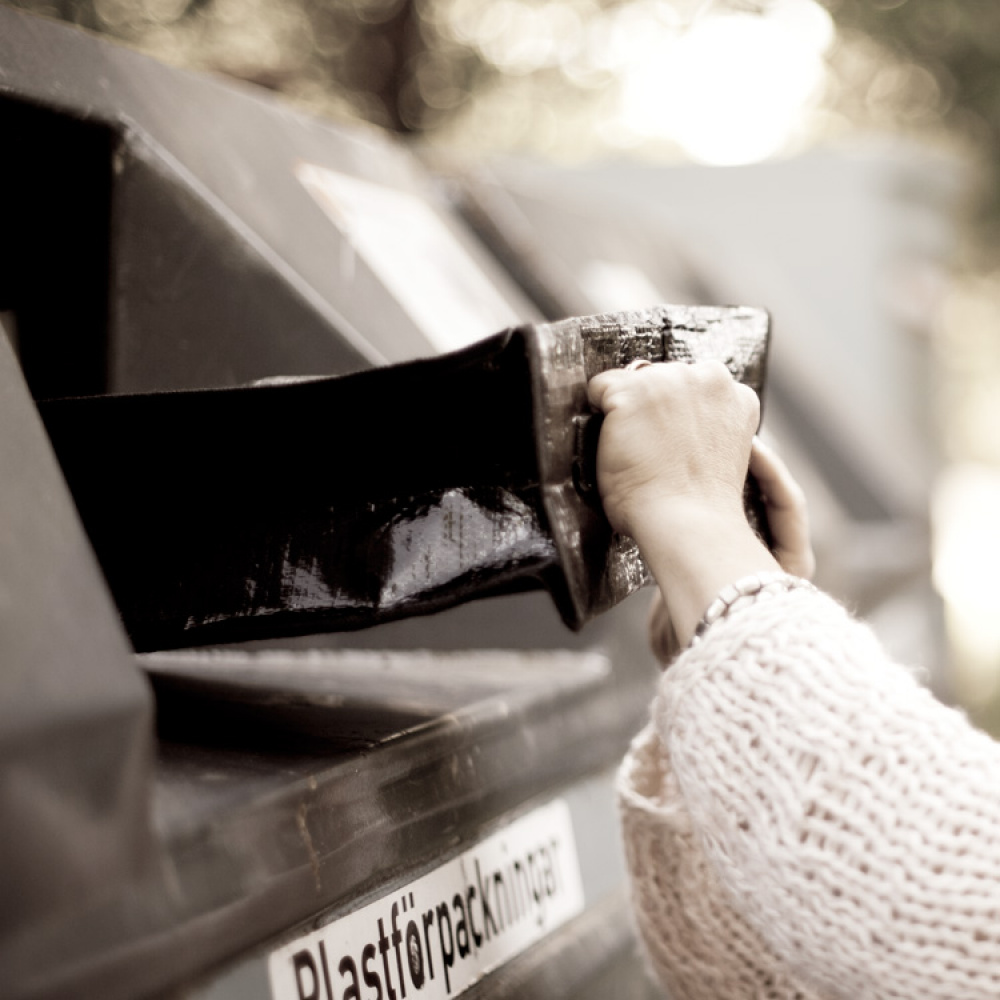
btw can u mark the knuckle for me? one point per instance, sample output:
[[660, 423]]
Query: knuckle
[[614, 396], [714, 372], [717, 380]]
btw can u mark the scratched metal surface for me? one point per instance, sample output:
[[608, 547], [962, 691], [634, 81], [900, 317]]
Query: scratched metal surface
[[340, 503]]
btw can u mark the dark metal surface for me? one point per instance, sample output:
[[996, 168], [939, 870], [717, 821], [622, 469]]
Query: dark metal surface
[[344, 502], [252, 844], [169, 210], [56, 236], [593, 958], [319, 700], [159, 237], [549, 241], [75, 714]]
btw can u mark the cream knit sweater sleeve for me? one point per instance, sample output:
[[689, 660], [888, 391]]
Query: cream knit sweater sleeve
[[802, 819]]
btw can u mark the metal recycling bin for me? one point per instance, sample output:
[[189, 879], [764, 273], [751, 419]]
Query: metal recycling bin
[[171, 820], [418, 808]]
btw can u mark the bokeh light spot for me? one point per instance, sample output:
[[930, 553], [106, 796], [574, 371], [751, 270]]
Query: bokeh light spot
[[733, 88]]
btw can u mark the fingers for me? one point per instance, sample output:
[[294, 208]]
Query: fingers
[[602, 383], [705, 376], [673, 430], [787, 513], [776, 482], [716, 412]]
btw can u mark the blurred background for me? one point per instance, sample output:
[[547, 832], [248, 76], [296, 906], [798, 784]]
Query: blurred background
[[835, 162]]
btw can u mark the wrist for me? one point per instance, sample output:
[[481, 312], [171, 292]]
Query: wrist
[[693, 552], [648, 513], [680, 532], [743, 593]]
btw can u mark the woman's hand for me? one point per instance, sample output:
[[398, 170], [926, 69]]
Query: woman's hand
[[671, 464], [788, 520], [674, 435]]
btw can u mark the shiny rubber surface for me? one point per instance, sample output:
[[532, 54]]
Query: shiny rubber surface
[[344, 502]]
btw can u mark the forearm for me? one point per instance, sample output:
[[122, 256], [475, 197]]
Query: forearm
[[850, 815], [693, 553], [699, 944]]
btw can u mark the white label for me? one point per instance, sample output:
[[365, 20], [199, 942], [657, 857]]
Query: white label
[[414, 254], [435, 937]]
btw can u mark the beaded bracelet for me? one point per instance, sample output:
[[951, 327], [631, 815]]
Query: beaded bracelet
[[744, 592]]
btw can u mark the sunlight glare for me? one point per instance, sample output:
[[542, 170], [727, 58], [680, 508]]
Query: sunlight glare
[[966, 554], [733, 87]]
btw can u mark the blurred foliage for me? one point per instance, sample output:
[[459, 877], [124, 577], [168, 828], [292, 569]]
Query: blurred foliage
[[543, 75], [339, 57], [926, 65], [536, 75], [933, 67]]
